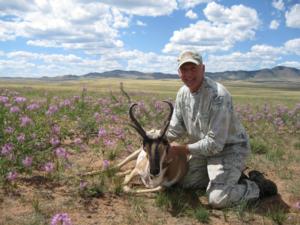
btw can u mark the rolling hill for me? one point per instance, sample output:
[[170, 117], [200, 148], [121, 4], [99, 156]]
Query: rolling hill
[[279, 73]]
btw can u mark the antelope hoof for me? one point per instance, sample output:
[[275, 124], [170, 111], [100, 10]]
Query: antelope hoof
[[127, 179], [127, 189]]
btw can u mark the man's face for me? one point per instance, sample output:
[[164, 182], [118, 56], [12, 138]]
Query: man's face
[[192, 75]]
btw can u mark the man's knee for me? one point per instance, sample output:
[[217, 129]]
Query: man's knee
[[218, 198]]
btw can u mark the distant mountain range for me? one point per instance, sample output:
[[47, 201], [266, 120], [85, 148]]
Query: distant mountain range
[[279, 73]]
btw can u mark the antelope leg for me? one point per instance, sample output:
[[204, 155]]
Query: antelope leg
[[141, 191], [131, 157], [129, 177], [121, 174]]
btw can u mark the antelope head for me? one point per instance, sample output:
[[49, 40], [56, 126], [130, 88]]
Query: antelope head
[[155, 143]]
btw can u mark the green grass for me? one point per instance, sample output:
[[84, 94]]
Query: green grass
[[278, 215], [258, 146], [201, 214], [242, 91]]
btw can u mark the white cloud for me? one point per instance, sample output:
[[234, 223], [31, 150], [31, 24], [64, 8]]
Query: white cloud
[[141, 23], [16, 5], [22, 63], [11, 68], [191, 15], [259, 57], [274, 25], [186, 4], [52, 24], [278, 4], [293, 46], [120, 21], [293, 17], [267, 50], [143, 8], [294, 64], [141, 61], [225, 27]]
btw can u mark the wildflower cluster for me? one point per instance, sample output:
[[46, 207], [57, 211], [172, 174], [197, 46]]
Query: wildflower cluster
[[40, 135]]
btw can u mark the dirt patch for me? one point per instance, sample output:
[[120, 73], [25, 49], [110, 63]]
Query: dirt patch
[[35, 199]]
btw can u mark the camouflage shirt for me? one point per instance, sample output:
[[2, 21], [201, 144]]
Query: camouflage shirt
[[208, 118]]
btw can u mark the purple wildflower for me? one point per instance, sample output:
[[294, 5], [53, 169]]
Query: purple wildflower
[[52, 109], [3, 99], [269, 117], [102, 132], [76, 98], [259, 116], [158, 106], [106, 111], [250, 118], [33, 106], [97, 116], [82, 184], [278, 122], [48, 167], [77, 141], [291, 113], [12, 175], [114, 118], [61, 219], [7, 149], [61, 153], [27, 162], [14, 109], [83, 147], [55, 129], [297, 205], [141, 104], [25, 120], [109, 143], [281, 110], [54, 141], [20, 99], [21, 138], [65, 103], [103, 101], [119, 133], [9, 130], [105, 164]]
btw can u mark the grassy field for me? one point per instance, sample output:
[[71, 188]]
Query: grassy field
[[241, 90], [52, 131]]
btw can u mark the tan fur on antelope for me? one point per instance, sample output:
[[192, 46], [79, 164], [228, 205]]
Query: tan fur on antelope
[[153, 164]]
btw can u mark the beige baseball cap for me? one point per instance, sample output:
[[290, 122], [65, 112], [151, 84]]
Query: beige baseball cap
[[189, 56]]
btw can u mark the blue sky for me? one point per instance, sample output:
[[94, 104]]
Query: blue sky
[[59, 37]]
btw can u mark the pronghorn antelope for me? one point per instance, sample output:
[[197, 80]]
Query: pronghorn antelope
[[155, 167]]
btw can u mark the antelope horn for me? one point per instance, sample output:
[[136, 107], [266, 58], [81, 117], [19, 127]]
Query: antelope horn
[[163, 131], [136, 124]]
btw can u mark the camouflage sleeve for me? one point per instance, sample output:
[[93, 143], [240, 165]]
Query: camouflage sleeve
[[176, 127], [217, 128]]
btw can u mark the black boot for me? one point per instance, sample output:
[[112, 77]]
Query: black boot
[[266, 187], [243, 177]]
